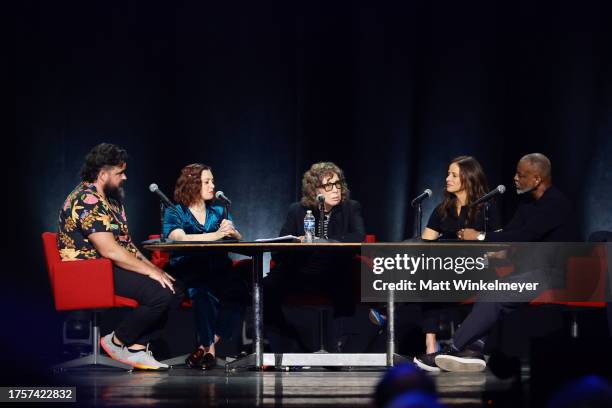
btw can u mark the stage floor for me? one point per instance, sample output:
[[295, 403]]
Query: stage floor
[[306, 388]]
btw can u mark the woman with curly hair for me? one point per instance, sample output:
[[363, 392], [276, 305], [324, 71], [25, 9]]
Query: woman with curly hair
[[217, 292], [328, 273]]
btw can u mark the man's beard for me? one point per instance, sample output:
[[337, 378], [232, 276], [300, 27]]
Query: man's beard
[[115, 193], [524, 190]]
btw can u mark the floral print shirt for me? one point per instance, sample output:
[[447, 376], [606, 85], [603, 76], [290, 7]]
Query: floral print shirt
[[84, 212]]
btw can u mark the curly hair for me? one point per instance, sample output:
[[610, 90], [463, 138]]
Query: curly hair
[[101, 156], [188, 188], [313, 179], [473, 180]]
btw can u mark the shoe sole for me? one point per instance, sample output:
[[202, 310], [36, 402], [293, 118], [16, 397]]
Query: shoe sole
[[190, 365], [460, 364], [425, 367], [138, 366]]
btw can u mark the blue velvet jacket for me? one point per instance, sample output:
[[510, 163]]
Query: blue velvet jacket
[[182, 218]]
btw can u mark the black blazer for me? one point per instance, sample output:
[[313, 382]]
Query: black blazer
[[345, 223]]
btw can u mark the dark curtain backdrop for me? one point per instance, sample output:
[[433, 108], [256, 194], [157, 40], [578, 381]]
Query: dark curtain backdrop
[[390, 91]]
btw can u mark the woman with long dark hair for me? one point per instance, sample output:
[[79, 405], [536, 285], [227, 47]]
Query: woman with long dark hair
[[465, 183]]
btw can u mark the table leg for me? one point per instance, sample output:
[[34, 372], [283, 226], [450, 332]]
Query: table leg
[[390, 329], [258, 309]]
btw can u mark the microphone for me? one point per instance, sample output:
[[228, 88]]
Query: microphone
[[220, 196], [320, 198], [154, 189], [421, 197], [501, 189]]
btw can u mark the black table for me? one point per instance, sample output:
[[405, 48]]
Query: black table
[[255, 250]]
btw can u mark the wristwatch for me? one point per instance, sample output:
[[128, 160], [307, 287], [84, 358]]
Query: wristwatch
[[481, 236]]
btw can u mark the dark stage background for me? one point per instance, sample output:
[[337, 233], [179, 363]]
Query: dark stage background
[[389, 91]]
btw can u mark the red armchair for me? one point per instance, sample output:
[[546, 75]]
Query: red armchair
[[83, 285], [585, 279]]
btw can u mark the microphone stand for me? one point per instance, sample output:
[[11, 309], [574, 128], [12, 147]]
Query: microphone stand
[[161, 217], [418, 220], [162, 206], [225, 209], [226, 206], [486, 216], [321, 219], [321, 239]]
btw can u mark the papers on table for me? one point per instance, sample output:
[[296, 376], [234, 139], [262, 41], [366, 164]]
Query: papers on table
[[285, 238]]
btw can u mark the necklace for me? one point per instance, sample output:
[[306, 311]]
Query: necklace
[[199, 213], [198, 208]]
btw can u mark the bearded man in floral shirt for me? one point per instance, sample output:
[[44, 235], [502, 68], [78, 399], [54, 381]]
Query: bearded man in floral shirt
[[93, 225]]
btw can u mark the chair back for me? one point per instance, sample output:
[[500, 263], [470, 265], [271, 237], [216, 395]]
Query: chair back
[[159, 258], [52, 256], [76, 285]]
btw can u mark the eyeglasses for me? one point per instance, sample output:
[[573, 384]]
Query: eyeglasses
[[330, 186]]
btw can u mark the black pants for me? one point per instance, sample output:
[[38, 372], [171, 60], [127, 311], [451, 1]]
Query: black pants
[[144, 323], [481, 320], [486, 313], [317, 273], [433, 313]]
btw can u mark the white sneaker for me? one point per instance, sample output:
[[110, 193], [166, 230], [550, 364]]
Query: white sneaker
[[461, 361]]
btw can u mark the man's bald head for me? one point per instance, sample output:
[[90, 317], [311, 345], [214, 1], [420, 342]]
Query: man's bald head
[[540, 165]]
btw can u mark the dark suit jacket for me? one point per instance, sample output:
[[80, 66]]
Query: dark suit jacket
[[345, 223]]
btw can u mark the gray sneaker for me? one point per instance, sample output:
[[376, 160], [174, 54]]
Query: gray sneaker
[[114, 351], [142, 359]]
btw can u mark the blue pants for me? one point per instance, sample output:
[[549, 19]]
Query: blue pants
[[217, 292], [212, 316]]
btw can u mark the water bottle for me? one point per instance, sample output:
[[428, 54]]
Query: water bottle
[[309, 227]]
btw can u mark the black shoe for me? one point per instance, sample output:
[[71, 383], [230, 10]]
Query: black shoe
[[209, 362], [427, 362], [194, 360], [461, 361], [201, 360]]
